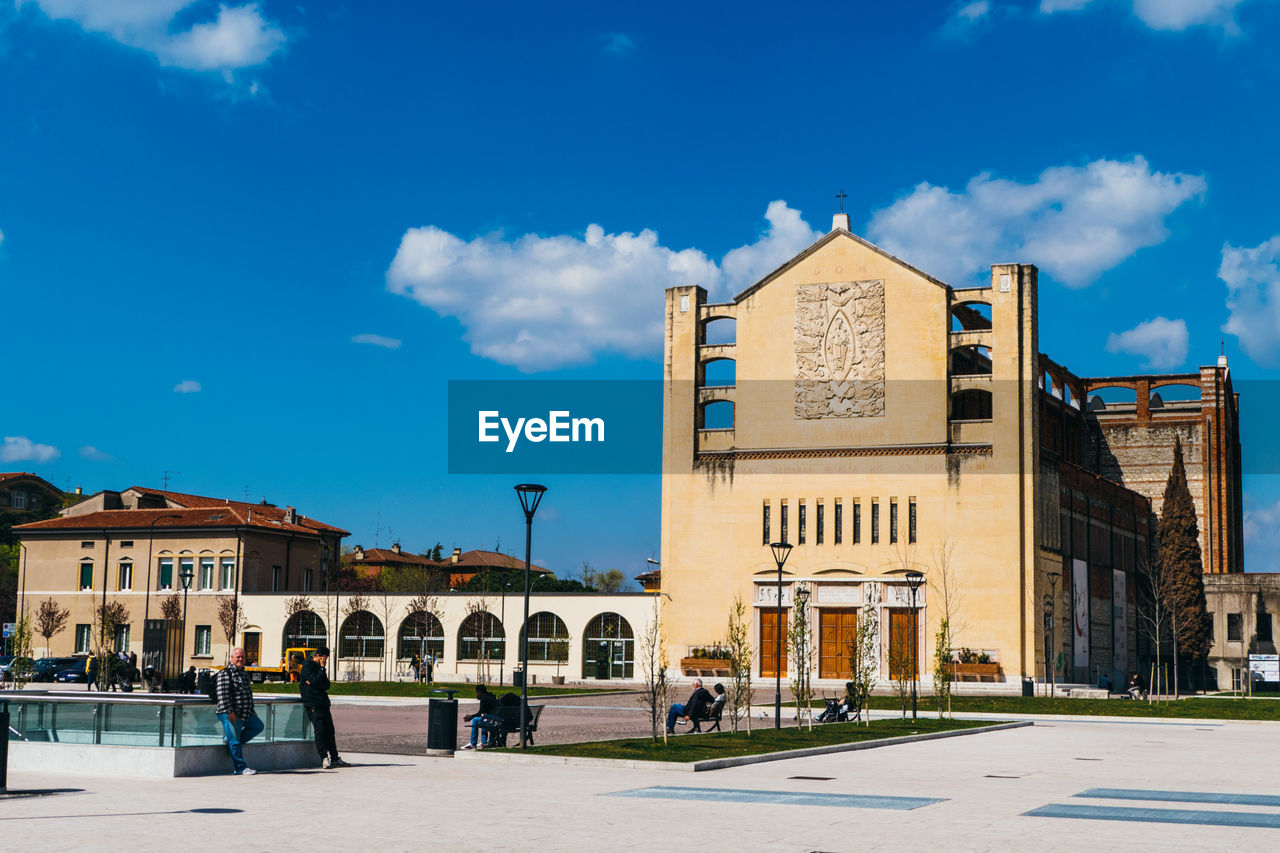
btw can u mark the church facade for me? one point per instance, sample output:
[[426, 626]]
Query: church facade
[[882, 422]]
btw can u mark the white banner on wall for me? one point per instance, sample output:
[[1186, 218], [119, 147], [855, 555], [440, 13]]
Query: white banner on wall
[[1119, 621], [1080, 614]]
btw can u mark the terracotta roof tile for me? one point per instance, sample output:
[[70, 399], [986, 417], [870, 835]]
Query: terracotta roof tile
[[141, 519]]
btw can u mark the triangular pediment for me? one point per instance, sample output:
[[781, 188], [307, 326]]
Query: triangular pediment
[[826, 239]]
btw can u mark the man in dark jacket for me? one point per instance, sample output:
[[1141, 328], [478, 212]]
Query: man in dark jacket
[[485, 719], [313, 682], [693, 707]]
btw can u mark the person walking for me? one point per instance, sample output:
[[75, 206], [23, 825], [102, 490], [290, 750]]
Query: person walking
[[234, 695], [313, 683], [415, 663]]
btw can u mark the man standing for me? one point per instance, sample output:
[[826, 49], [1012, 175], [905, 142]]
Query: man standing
[[693, 707], [235, 710], [313, 682]]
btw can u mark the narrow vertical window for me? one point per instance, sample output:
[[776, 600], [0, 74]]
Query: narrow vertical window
[[839, 522], [800, 523], [817, 527], [204, 640], [783, 522], [875, 521], [86, 575], [228, 573], [911, 521], [82, 638], [857, 521], [306, 581], [206, 572], [275, 578], [165, 579], [126, 576], [765, 522], [893, 521]]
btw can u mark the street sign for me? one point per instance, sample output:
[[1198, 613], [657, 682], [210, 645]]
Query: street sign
[[9, 629]]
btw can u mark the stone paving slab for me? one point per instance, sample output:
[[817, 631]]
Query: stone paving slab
[[986, 785]]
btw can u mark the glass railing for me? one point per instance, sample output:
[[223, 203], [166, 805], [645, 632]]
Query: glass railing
[[149, 720]]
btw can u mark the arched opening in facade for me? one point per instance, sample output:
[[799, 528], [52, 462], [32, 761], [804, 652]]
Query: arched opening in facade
[[970, 315], [548, 638], [422, 634], [973, 404], [362, 636], [608, 648], [971, 361], [1116, 397], [720, 372], [720, 330], [716, 415], [481, 637], [1175, 393], [305, 629]]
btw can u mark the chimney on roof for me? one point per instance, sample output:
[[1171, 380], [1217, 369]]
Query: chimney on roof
[[395, 548], [359, 552], [79, 490], [840, 222], [290, 515], [1222, 360], [453, 558]]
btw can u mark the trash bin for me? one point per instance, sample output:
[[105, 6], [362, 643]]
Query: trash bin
[[1028, 687], [442, 724], [517, 678]]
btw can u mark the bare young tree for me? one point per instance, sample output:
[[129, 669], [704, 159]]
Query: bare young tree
[[944, 596], [651, 654], [107, 620], [386, 606], [800, 641], [232, 619], [737, 640], [20, 670], [478, 614], [171, 607], [864, 660], [1153, 614], [51, 620], [295, 605]]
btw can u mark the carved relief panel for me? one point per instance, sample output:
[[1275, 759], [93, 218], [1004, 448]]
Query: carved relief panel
[[839, 338]]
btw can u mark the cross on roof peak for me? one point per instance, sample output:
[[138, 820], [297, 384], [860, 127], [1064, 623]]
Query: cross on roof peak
[[842, 195]]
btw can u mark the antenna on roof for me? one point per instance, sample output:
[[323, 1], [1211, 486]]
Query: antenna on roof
[[246, 492], [167, 472]]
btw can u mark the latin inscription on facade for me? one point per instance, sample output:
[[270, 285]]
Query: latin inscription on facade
[[840, 350]]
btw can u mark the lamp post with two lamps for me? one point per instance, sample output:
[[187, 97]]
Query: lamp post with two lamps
[[781, 550], [186, 574], [530, 496], [914, 579], [1051, 616]]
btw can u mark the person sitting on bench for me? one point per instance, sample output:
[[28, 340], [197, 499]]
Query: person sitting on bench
[[694, 706], [485, 719]]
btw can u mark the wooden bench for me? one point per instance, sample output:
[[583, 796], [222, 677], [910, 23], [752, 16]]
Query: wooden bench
[[710, 714], [509, 723]]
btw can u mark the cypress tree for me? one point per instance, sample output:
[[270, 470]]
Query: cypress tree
[[1178, 541]]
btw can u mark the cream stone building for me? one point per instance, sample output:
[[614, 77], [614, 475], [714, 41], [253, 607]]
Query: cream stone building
[[883, 422], [277, 565]]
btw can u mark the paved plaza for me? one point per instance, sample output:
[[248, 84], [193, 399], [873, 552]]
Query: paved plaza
[[979, 792]]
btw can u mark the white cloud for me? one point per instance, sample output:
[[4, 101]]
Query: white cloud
[[1252, 277], [93, 454], [539, 303], [1165, 14], [18, 448], [618, 44], [785, 237], [1074, 222], [187, 386], [973, 11], [1262, 537], [237, 37], [377, 341], [1161, 341]]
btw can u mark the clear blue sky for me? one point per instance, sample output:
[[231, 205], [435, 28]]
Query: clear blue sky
[[251, 243]]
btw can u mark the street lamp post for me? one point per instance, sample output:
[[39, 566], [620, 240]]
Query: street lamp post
[[1050, 654], [503, 619], [781, 550], [530, 496], [1048, 626], [914, 579], [151, 535], [186, 574]]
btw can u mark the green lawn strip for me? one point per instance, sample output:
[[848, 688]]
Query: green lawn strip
[[701, 747], [1194, 708], [409, 688]]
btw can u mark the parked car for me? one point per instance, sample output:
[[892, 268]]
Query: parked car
[[76, 673], [45, 669], [11, 666]]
